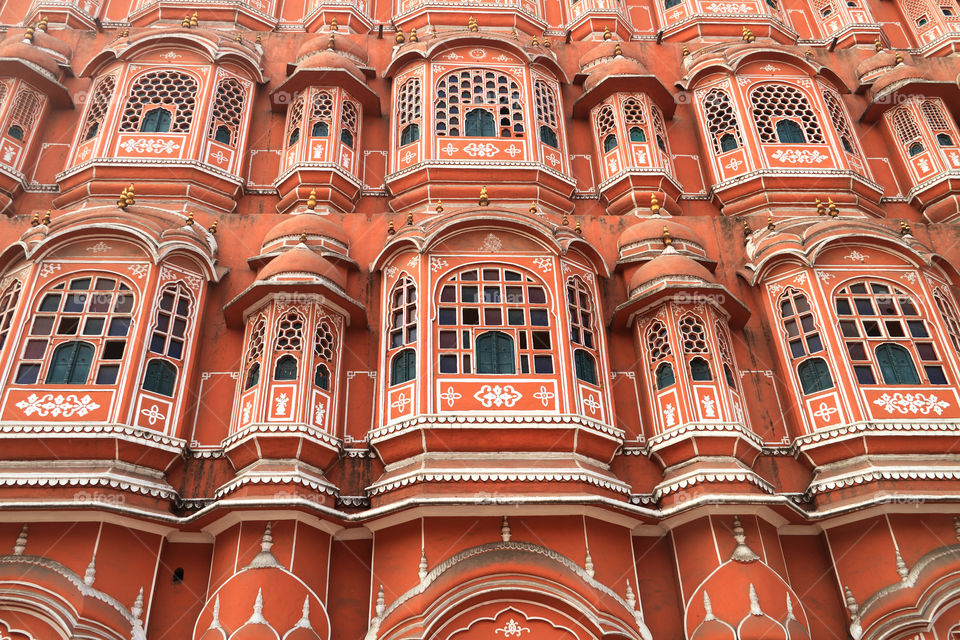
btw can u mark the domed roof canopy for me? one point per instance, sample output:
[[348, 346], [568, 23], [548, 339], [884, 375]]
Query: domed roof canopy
[[301, 261], [878, 61], [649, 234], [43, 63], [343, 45], [309, 224], [610, 69], [672, 267]]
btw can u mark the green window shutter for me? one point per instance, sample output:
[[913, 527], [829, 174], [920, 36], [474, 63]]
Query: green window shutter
[[495, 353], [814, 376], [896, 365], [585, 366]]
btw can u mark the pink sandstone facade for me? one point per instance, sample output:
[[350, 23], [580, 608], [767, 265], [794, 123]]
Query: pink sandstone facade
[[479, 320]]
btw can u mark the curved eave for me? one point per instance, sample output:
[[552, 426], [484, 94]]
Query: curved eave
[[628, 82], [236, 310], [587, 250], [325, 77], [258, 261], [18, 68], [741, 57], [717, 295], [890, 96], [425, 51], [708, 263]]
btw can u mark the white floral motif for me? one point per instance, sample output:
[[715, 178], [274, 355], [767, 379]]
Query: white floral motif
[[775, 288], [544, 264], [390, 271], [220, 157], [483, 150], [497, 396], [449, 149], [49, 268], [708, 405], [769, 68], [245, 417], [512, 628], [801, 278], [414, 261], [491, 243], [544, 395], [910, 277], [855, 256], [512, 150], [450, 396], [139, 270], [726, 7], [799, 156], [911, 403], [100, 247], [734, 164], [318, 412], [170, 55], [477, 53], [282, 401], [437, 263], [825, 276], [149, 145], [591, 403], [57, 405], [400, 404], [824, 411], [669, 412], [153, 415]]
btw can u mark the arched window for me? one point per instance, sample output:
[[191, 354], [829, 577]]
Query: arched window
[[936, 120], [321, 114], [403, 367], [546, 107], [633, 116], [840, 121], [658, 350], [669, 4], [605, 128], [585, 366], [876, 314], [402, 327], [722, 124], [726, 356], [581, 316], [25, 113], [803, 337], [170, 324], [947, 314], [98, 105], [156, 120], [637, 135], [254, 351], [294, 120], [495, 353], [160, 377], [660, 134], [665, 376], [474, 301], [324, 349], [70, 363], [8, 307], [471, 91], [228, 105], [783, 110], [700, 370], [814, 376], [96, 309], [286, 368], [408, 111], [907, 131], [349, 118], [174, 93]]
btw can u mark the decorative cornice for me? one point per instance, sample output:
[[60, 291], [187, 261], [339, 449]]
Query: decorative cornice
[[455, 421], [711, 476], [311, 432], [124, 432], [499, 476], [736, 429], [938, 428]]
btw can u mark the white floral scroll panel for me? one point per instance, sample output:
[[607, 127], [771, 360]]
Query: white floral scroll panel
[[497, 396], [912, 403], [58, 405]]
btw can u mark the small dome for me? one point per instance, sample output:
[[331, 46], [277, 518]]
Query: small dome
[[672, 266], [29, 53], [332, 60], [651, 230], [302, 261], [880, 60], [341, 45], [894, 78], [602, 52], [42, 40], [619, 66], [306, 223]]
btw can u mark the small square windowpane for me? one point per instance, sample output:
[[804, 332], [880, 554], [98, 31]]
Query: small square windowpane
[[491, 274], [864, 306], [814, 345], [865, 375], [448, 316], [396, 339], [27, 373], [100, 302], [411, 334], [468, 276], [183, 306], [514, 295], [51, 302], [894, 328], [906, 306], [926, 351], [858, 288], [492, 317], [119, 326], [42, 326], [536, 295], [448, 294], [511, 276], [80, 284], [541, 339], [163, 321], [75, 302], [157, 343], [107, 374], [872, 328], [448, 364], [806, 322], [470, 315], [491, 294], [448, 339], [35, 349], [179, 327], [543, 364], [524, 364], [796, 349], [468, 294], [538, 318], [515, 316], [856, 351], [879, 288], [68, 326], [843, 307], [791, 327], [935, 375], [113, 349], [849, 329], [166, 301], [124, 304], [802, 305], [917, 328]]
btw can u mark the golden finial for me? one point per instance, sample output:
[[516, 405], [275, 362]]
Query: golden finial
[[259, 39], [43, 24], [536, 42], [185, 23], [410, 219], [312, 200], [748, 35], [606, 33], [808, 53], [390, 229], [439, 206], [617, 51], [125, 33], [303, 238], [194, 21], [654, 204], [685, 51], [126, 197], [564, 221], [832, 208], [28, 36], [515, 34], [747, 232], [904, 228], [577, 229], [46, 217], [331, 41], [484, 199], [878, 45], [213, 228], [533, 208], [546, 42], [413, 35], [333, 24], [36, 219], [190, 218], [472, 24], [400, 39], [770, 225], [239, 38], [821, 210], [667, 240], [898, 58]]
